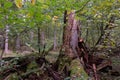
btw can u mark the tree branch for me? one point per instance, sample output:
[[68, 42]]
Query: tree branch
[[103, 32], [82, 7]]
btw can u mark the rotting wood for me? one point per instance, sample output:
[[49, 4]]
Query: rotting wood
[[68, 50], [91, 62], [22, 64]]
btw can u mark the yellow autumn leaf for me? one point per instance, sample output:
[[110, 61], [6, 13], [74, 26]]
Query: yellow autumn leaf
[[29, 15], [33, 2], [18, 3], [55, 18]]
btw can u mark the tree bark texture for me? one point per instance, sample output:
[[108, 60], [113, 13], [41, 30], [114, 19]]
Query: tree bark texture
[[43, 38], [17, 42], [38, 40], [70, 42], [55, 39], [6, 39], [31, 36], [71, 34]]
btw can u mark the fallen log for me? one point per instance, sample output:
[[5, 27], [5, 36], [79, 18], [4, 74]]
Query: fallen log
[[103, 64], [14, 65], [19, 64]]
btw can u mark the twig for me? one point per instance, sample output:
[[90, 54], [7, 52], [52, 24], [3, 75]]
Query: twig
[[82, 7], [103, 32]]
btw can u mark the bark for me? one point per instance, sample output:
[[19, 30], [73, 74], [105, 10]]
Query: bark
[[71, 50], [2, 48], [74, 37], [6, 39], [43, 38], [17, 42], [38, 40], [65, 21], [43, 41], [48, 32], [55, 40], [70, 42], [70, 37], [31, 36], [1, 41]]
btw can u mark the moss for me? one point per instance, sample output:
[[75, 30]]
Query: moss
[[77, 71]]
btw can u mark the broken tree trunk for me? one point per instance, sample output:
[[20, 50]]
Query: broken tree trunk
[[70, 49], [70, 44], [70, 37], [91, 63]]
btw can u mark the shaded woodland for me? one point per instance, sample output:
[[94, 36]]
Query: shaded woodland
[[59, 40]]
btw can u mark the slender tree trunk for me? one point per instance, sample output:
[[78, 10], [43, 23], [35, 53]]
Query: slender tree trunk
[[2, 46], [31, 36], [55, 40], [100, 39], [43, 38], [1, 41], [38, 40], [18, 43], [48, 32], [6, 39], [65, 21]]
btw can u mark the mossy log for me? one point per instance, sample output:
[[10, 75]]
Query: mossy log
[[19, 65]]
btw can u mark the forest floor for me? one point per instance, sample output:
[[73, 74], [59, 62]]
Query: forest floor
[[53, 55], [15, 54]]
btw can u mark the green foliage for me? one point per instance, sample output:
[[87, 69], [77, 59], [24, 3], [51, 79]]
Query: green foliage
[[32, 66], [94, 16], [7, 5]]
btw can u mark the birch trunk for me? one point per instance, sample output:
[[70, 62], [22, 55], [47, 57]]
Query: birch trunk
[[6, 39]]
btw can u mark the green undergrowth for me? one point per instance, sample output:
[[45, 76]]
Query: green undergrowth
[[77, 71]]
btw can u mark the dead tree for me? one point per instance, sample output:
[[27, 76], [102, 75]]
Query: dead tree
[[70, 44], [72, 48]]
